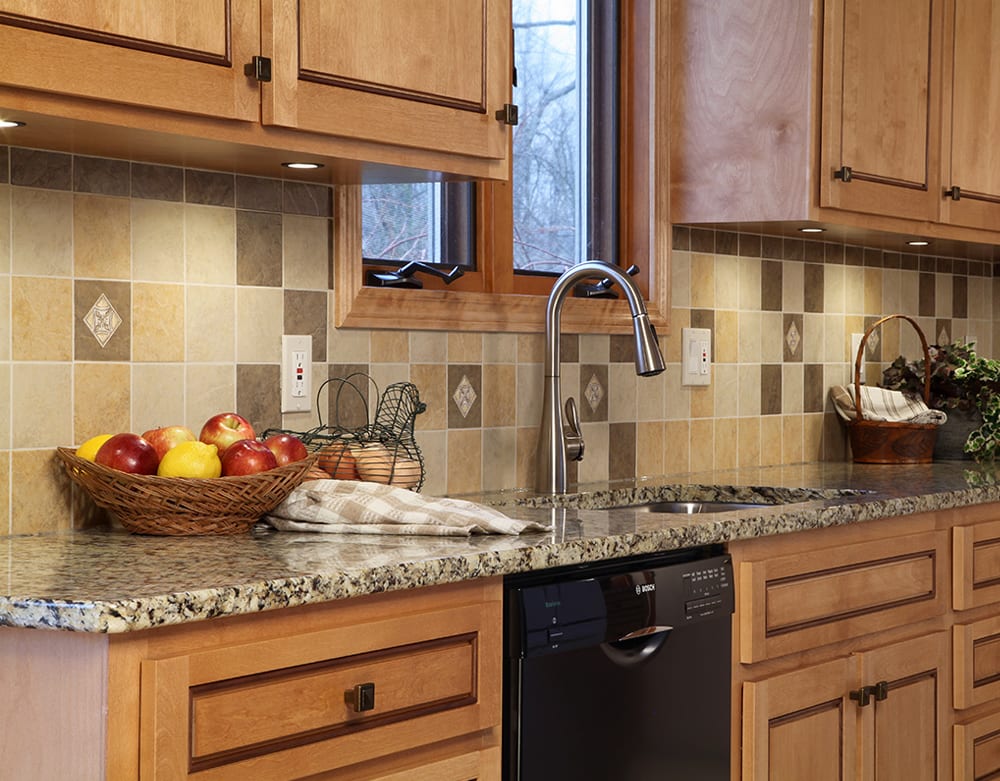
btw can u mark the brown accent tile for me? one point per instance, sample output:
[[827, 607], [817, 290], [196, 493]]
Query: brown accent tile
[[390, 346], [959, 297], [788, 320], [944, 265], [927, 264], [680, 237], [813, 288], [37, 168], [749, 245], [303, 198], [942, 332], [431, 380], [157, 182], [927, 306], [727, 243], [702, 240], [703, 318], [621, 451], [257, 398], [209, 188], [622, 348], [86, 347], [350, 396], [772, 247], [854, 256], [813, 390], [102, 237], [305, 313], [258, 193], [474, 374], [101, 399], [499, 394], [908, 261], [792, 249], [101, 176], [770, 389], [676, 446], [961, 267], [569, 348], [41, 319], [874, 258], [813, 251], [770, 285], [465, 461], [40, 499], [590, 413], [258, 248], [891, 260], [4, 166]]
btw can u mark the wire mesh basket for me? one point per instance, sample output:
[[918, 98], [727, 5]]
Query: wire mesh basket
[[382, 448]]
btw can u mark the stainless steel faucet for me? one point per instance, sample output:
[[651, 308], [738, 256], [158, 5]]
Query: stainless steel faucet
[[556, 445]]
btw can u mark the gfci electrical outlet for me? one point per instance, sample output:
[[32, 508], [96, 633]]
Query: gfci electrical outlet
[[696, 356], [296, 373]]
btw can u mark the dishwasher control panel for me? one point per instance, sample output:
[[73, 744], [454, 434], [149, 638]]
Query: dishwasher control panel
[[708, 590]]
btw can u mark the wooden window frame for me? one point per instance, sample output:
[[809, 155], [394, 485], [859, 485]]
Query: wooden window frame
[[502, 303]]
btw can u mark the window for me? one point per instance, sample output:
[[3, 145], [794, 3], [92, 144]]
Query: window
[[581, 185]]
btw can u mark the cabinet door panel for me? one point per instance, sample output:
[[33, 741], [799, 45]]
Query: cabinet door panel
[[976, 565], [181, 55], [977, 662], [977, 748]]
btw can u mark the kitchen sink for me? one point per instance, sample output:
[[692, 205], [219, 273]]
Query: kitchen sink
[[693, 508]]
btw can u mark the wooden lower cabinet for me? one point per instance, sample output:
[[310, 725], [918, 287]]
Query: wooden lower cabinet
[[875, 715]]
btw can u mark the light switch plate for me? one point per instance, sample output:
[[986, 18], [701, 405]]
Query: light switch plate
[[696, 356], [296, 373]]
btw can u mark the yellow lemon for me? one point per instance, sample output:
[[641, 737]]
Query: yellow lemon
[[191, 459], [88, 449]]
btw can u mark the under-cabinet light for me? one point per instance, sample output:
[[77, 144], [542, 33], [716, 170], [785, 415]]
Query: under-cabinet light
[[918, 243], [303, 166], [812, 230], [6, 123]]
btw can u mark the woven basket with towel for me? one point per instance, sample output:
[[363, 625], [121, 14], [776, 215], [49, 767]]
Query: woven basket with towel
[[884, 426]]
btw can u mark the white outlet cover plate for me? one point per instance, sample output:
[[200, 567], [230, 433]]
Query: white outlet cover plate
[[296, 396], [696, 356]]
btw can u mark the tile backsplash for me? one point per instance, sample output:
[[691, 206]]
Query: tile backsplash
[[139, 295]]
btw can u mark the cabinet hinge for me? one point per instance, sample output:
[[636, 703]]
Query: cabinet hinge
[[955, 193], [844, 173], [508, 114], [258, 68]]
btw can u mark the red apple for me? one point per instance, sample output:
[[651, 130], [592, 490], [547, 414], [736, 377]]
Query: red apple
[[224, 429], [162, 439], [286, 448], [128, 453], [247, 457]]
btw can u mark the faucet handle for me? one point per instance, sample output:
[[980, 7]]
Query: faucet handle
[[574, 438], [601, 289]]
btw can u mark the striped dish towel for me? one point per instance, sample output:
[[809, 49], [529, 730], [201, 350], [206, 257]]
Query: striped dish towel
[[884, 405], [353, 507]]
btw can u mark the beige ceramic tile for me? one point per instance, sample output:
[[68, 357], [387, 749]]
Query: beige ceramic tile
[[772, 337], [854, 291], [157, 241], [702, 400], [428, 347], [499, 348], [726, 436], [431, 380], [725, 379], [791, 438], [813, 338], [101, 399], [529, 394], [678, 398], [465, 347], [791, 388], [670, 344], [812, 437], [41, 232], [891, 282], [749, 283], [157, 322], [42, 319], [835, 447], [676, 446], [41, 405], [527, 456], [702, 448], [390, 346], [834, 349], [749, 336], [623, 384], [348, 345], [909, 293], [649, 447], [210, 324], [5, 466], [40, 493], [680, 278], [4, 417], [833, 289], [434, 450], [259, 324], [499, 394], [727, 343], [465, 459], [650, 397], [4, 230], [703, 281], [101, 237], [770, 440], [158, 397], [873, 291], [385, 374], [792, 286], [727, 275], [749, 434], [942, 295], [531, 348], [210, 245], [594, 348], [5, 317], [594, 467], [209, 390], [749, 379], [306, 245], [499, 458]]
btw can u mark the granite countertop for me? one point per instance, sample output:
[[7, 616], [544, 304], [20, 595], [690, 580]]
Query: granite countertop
[[107, 580]]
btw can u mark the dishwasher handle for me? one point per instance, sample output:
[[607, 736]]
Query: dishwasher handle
[[638, 646]]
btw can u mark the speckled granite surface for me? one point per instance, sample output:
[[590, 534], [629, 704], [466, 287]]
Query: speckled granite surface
[[112, 581]]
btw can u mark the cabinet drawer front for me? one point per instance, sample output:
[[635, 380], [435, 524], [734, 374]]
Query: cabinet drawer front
[[795, 602], [977, 748], [977, 662], [976, 570], [289, 705]]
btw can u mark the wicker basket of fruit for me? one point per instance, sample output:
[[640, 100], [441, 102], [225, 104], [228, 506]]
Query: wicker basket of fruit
[[187, 488]]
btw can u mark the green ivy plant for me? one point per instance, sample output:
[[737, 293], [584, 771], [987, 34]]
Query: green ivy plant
[[960, 379]]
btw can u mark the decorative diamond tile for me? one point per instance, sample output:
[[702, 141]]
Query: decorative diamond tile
[[943, 337], [793, 337], [102, 320], [872, 343], [464, 396], [593, 392]]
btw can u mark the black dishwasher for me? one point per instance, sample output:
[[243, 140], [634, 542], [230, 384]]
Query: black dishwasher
[[620, 671]]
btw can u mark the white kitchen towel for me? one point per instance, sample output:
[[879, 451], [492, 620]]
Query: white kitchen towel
[[355, 507], [885, 405]]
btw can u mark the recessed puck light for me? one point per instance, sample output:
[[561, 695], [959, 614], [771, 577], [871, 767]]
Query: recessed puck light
[[812, 230], [303, 166], [6, 123], [918, 243]]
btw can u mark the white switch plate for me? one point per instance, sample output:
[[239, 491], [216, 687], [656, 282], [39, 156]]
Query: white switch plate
[[696, 356], [296, 373], [855, 346]]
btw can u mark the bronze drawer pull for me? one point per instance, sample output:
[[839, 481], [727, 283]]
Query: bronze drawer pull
[[361, 697]]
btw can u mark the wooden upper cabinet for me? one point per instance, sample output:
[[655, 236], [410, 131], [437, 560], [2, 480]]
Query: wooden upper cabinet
[[880, 129], [180, 55], [971, 157], [429, 75]]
